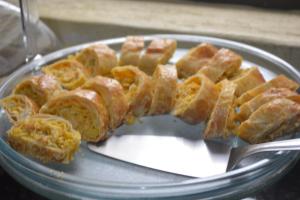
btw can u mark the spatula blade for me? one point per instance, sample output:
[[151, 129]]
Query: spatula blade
[[194, 158]]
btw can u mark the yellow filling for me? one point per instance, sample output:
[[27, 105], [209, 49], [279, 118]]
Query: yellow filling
[[186, 93], [16, 107], [80, 117], [32, 93]]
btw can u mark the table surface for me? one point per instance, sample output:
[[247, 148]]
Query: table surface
[[286, 188]]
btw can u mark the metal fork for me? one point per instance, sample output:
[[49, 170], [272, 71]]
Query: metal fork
[[239, 153]]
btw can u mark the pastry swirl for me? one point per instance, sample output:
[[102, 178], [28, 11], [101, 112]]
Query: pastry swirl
[[159, 51], [113, 97], [280, 81], [131, 50], [84, 109], [99, 59], [137, 87], [195, 59], [46, 137], [38, 88], [219, 122], [164, 89], [271, 120], [195, 99], [70, 73], [18, 107]]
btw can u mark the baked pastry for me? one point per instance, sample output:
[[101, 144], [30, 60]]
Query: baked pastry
[[70, 73], [252, 105], [131, 50], [195, 99], [164, 89], [137, 87], [271, 120], [113, 97], [246, 79], [84, 109], [18, 107], [99, 59], [46, 137], [280, 81], [159, 51], [38, 88], [224, 64], [218, 123], [195, 59]]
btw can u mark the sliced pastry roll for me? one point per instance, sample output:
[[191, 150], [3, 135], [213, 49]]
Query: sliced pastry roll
[[46, 137], [84, 109], [195, 99], [99, 59], [131, 50], [18, 107], [195, 59], [159, 51], [38, 88], [224, 64], [70, 73], [271, 120], [164, 89], [113, 97], [219, 122], [247, 79], [280, 81], [252, 105], [137, 86]]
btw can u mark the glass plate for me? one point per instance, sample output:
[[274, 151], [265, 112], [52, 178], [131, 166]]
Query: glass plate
[[93, 176]]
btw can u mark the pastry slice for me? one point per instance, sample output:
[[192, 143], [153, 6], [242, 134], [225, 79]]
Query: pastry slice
[[84, 109], [131, 50], [70, 73], [280, 81], [159, 51], [38, 88], [99, 59], [195, 99], [137, 87], [46, 137], [252, 105], [113, 97], [219, 120], [224, 64], [18, 107], [164, 89], [274, 119], [195, 59], [246, 79]]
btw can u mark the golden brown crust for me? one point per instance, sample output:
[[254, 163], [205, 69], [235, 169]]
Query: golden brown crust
[[247, 79], [70, 73], [164, 89], [222, 65], [99, 59], [280, 81], [218, 123], [38, 88], [252, 105], [113, 96], [46, 137], [18, 107], [195, 59], [196, 97], [159, 51], [271, 120], [84, 109], [131, 50], [137, 86]]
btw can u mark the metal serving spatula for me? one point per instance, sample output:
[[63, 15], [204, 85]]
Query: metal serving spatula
[[167, 144]]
